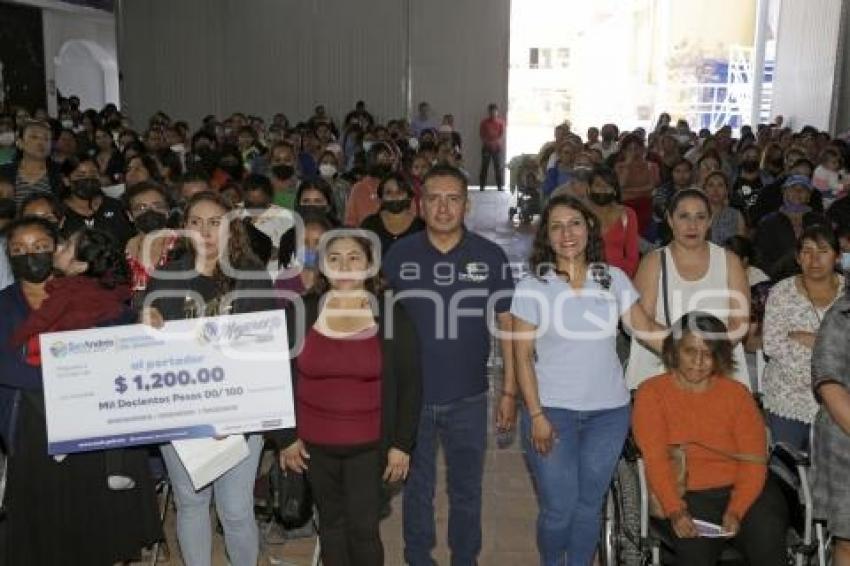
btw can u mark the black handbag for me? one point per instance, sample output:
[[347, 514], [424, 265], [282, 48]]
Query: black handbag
[[291, 498]]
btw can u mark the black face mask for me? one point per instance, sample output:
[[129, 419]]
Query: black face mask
[[86, 189], [205, 157], [381, 170], [395, 206], [283, 172], [312, 209], [7, 208], [750, 166], [257, 205], [150, 221], [32, 268], [602, 199], [234, 171]]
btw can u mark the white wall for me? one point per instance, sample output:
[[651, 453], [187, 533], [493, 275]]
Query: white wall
[[88, 36], [196, 57], [806, 59], [842, 99]]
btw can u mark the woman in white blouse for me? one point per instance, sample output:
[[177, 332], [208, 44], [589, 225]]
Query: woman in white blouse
[[795, 308]]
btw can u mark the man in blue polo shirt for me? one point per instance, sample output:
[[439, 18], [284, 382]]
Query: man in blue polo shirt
[[450, 280]]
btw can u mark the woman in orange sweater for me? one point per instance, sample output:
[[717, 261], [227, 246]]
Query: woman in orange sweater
[[716, 423]]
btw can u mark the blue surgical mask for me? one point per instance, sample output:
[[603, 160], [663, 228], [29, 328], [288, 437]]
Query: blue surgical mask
[[845, 262], [311, 258]]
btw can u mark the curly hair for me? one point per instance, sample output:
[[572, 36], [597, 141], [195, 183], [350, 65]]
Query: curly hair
[[239, 252], [105, 259], [542, 259]]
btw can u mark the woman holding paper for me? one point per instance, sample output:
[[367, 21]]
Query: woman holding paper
[[63, 510], [221, 275], [704, 442], [358, 395]]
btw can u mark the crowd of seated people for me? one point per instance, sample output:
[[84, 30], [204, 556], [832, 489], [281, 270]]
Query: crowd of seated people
[[700, 232]]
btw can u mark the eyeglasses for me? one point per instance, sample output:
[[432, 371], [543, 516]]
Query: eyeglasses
[[145, 206]]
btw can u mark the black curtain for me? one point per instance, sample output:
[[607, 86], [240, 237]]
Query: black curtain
[[22, 75]]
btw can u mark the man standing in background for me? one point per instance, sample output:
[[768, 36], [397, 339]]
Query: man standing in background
[[492, 132], [423, 120]]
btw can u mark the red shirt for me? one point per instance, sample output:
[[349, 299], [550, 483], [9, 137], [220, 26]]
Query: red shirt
[[363, 201], [492, 130], [622, 243], [338, 396]]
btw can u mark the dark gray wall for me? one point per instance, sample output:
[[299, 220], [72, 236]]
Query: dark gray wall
[[195, 57]]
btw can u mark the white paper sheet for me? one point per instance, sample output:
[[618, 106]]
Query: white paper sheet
[[207, 459], [710, 530]]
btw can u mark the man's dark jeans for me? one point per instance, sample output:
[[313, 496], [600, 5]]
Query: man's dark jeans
[[461, 427], [498, 165]]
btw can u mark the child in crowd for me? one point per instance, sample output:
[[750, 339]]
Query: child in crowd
[[830, 177]]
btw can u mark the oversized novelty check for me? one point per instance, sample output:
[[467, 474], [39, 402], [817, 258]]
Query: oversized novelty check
[[129, 385]]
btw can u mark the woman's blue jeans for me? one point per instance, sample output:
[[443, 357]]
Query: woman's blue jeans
[[573, 478], [234, 501]]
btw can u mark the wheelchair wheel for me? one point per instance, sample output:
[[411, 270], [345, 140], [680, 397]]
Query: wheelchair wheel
[[621, 541]]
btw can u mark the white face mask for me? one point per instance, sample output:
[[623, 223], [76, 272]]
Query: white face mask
[[367, 145], [7, 138], [178, 148], [413, 143], [845, 262], [67, 124], [327, 170]]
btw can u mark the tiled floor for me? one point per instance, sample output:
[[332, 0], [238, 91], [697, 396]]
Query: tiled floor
[[509, 506]]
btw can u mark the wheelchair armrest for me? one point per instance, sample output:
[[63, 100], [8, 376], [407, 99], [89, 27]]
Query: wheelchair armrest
[[790, 456], [631, 452]]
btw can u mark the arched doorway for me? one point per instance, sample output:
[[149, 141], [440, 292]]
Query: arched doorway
[[87, 70]]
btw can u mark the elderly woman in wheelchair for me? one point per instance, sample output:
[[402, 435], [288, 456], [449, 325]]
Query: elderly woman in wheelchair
[[704, 443]]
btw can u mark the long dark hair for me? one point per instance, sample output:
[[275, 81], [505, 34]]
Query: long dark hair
[[288, 244], [542, 259], [239, 251], [319, 184], [106, 261], [371, 284], [609, 177]]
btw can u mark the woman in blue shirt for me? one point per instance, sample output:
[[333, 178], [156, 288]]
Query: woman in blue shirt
[[562, 171], [565, 324]]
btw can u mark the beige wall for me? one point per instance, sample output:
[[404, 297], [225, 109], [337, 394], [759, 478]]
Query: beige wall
[[708, 23], [806, 59]]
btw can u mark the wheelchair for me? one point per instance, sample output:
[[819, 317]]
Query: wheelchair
[[525, 183], [630, 537]]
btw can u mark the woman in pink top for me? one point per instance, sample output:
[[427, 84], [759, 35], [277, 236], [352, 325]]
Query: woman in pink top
[[619, 223], [363, 200]]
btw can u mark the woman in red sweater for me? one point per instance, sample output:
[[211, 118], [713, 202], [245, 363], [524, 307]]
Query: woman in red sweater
[[357, 398], [698, 409]]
